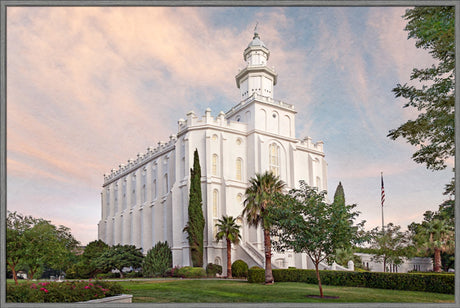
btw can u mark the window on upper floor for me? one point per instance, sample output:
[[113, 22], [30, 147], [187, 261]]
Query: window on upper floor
[[215, 203], [274, 159], [123, 191], [143, 186], [107, 201], [239, 166], [165, 184], [214, 164], [133, 189]]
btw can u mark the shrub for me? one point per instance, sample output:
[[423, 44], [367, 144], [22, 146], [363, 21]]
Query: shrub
[[172, 272], [213, 269], [108, 275], [63, 292], [426, 282], [256, 274], [158, 260], [191, 272], [239, 269], [134, 274]]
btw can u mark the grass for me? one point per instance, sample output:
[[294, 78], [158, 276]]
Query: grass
[[228, 291]]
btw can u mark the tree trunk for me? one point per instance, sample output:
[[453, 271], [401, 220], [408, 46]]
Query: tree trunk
[[268, 258], [13, 269], [229, 259], [384, 263], [437, 260], [121, 273], [319, 278], [32, 271]]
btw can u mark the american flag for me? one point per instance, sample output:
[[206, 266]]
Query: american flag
[[383, 189]]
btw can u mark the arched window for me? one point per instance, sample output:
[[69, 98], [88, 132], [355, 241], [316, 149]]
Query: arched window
[[217, 261], [239, 198], [215, 212], [124, 189], [165, 184], [154, 182], [115, 199], [274, 159], [107, 202], [239, 163], [133, 188], [214, 164], [215, 203], [143, 186]]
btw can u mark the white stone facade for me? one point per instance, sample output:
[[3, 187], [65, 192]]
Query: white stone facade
[[146, 201], [414, 264]]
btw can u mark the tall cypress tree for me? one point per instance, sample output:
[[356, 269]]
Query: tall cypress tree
[[195, 225], [339, 196]]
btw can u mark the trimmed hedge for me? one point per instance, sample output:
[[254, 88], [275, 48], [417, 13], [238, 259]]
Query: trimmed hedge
[[213, 269], [239, 269], [191, 272], [425, 282]]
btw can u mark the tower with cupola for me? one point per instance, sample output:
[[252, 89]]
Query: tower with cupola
[[256, 77]]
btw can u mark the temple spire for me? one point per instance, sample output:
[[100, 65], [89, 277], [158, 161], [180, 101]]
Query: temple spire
[[256, 34]]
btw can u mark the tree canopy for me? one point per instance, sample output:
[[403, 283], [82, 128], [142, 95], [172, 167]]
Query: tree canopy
[[120, 256], [304, 222], [433, 131], [34, 243]]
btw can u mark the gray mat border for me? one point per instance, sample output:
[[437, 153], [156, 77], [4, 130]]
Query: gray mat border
[[3, 107]]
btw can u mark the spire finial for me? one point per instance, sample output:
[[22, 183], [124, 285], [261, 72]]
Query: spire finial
[[255, 30]]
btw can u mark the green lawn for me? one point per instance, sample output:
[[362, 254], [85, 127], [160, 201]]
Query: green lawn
[[227, 291]]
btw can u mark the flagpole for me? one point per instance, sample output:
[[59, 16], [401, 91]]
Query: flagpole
[[382, 200]]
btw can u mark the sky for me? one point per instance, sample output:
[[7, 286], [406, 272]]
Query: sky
[[90, 87]]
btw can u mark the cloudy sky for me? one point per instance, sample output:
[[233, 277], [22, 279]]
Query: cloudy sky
[[89, 88]]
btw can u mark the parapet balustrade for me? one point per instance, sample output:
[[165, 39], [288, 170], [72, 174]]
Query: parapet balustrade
[[262, 98]]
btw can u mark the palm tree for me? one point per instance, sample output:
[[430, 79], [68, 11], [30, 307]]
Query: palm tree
[[439, 237], [259, 196], [231, 231]]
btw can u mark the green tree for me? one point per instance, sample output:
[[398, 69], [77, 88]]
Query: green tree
[[158, 260], [433, 131], [259, 197], [120, 256], [17, 225], [86, 267], [195, 225], [34, 243], [304, 222], [228, 228], [47, 245], [434, 235], [390, 245]]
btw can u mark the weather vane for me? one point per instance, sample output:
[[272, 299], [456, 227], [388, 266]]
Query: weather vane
[[255, 28]]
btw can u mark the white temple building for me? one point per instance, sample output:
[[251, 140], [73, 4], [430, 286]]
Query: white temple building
[[146, 200]]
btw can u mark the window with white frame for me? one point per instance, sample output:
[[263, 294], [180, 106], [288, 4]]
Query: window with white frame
[[215, 211], [214, 164], [107, 202], [124, 191], [143, 185], [274, 159], [133, 190], [165, 184], [239, 198], [115, 198], [239, 166], [154, 182]]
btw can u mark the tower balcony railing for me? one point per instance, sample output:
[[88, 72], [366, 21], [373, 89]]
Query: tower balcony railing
[[260, 98]]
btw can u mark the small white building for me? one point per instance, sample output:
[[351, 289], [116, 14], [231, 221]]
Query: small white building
[[414, 264], [146, 200]]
